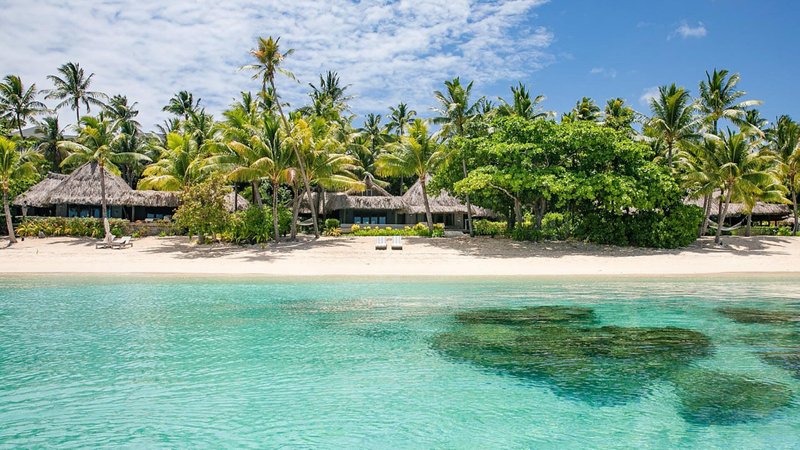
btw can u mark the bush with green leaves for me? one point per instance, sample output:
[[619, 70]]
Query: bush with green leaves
[[526, 232], [674, 228], [419, 229], [485, 227], [202, 211], [71, 226], [254, 225], [555, 226]]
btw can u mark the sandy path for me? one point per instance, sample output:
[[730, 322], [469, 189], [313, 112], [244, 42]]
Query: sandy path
[[421, 256]]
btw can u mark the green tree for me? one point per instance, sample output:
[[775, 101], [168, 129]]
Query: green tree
[[72, 88], [182, 104], [202, 211], [784, 140], [416, 154], [586, 110], [456, 111], [95, 144], [14, 165], [523, 105], [177, 166], [17, 104], [673, 120], [719, 99], [618, 115], [47, 144], [118, 109], [269, 58], [400, 117]]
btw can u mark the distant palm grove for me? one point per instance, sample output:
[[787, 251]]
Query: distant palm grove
[[602, 173]]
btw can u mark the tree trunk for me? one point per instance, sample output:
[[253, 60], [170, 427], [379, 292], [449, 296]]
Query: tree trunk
[[300, 163], [721, 217], [257, 195], [428, 215], [77, 113], [9, 221], [541, 208], [749, 223], [295, 210], [469, 204], [518, 211], [103, 204], [275, 210], [700, 229], [669, 154], [794, 203], [19, 127], [707, 205]]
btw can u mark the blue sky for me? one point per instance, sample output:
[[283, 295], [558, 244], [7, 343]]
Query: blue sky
[[390, 51]]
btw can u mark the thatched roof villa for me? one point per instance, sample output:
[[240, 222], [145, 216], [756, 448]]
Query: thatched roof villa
[[376, 206], [768, 214], [78, 195]]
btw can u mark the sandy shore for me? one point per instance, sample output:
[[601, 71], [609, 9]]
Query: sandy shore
[[355, 256]]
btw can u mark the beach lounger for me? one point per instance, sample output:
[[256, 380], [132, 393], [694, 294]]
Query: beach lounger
[[106, 244], [123, 242], [380, 243], [397, 243]]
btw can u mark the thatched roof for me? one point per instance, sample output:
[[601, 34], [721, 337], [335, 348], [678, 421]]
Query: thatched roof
[[439, 204], [340, 200], [372, 187], [738, 209], [82, 187], [37, 195]]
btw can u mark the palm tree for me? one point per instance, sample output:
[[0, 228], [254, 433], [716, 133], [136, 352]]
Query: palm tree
[[95, 144], [416, 154], [618, 115], [177, 165], [587, 110], [182, 104], [718, 99], [455, 112], [17, 104], [740, 171], [784, 140], [119, 110], [400, 117], [673, 119], [14, 165], [701, 176], [72, 88], [329, 95], [268, 62], [523, 105], [47, 145]]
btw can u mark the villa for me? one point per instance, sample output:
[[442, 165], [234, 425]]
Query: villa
[[78, 195]]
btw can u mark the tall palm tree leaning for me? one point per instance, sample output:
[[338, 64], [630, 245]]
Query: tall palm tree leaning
[[455, 112], [718, 99], [72, 88], [418, 154], [14, 165], [95, 144], [268, 63], [673, 119], [17, 104], [740, 171]]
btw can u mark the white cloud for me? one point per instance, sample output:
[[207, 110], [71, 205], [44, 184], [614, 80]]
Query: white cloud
[[386, 51], [648, 94], [608, 73], [686, 31]]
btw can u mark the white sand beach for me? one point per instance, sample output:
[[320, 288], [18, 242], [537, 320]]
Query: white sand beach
[[356, 256]]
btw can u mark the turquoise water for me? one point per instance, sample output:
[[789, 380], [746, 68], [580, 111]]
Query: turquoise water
[[157, 362]]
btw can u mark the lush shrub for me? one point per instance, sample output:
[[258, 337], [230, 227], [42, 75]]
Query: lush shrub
[[784, 231], [254, 225], [526, 232], [555, 226], [355, 228], [438, 230], [419, 229], [332, 223], [332, 228], [485, 227], [71, 226], [202, 210], [674, 228]]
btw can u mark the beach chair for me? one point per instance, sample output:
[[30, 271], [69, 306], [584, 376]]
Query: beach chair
[[397, 243], [123, 242], [380, 243]]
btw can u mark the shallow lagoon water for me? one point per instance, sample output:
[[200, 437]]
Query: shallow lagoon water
[[158, 361]]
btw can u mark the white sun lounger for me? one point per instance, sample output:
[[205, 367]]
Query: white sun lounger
[[123, 242], [397, 242], [380, 243]]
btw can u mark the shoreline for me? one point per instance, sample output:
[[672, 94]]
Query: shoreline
[[355, 258]]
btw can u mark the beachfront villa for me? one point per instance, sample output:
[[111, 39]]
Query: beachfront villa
[[78, 195], [377, 207]]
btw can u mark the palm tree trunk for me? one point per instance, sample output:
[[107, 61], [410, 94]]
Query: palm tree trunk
[[749, 223], [469, 205], [77, 113], [706, 214], [794, 203], [19, 127], [299, 162], [721, 217], [669, 154], [9, 221], [257, 195], [103, 205], [275, 210], [428, 215]]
